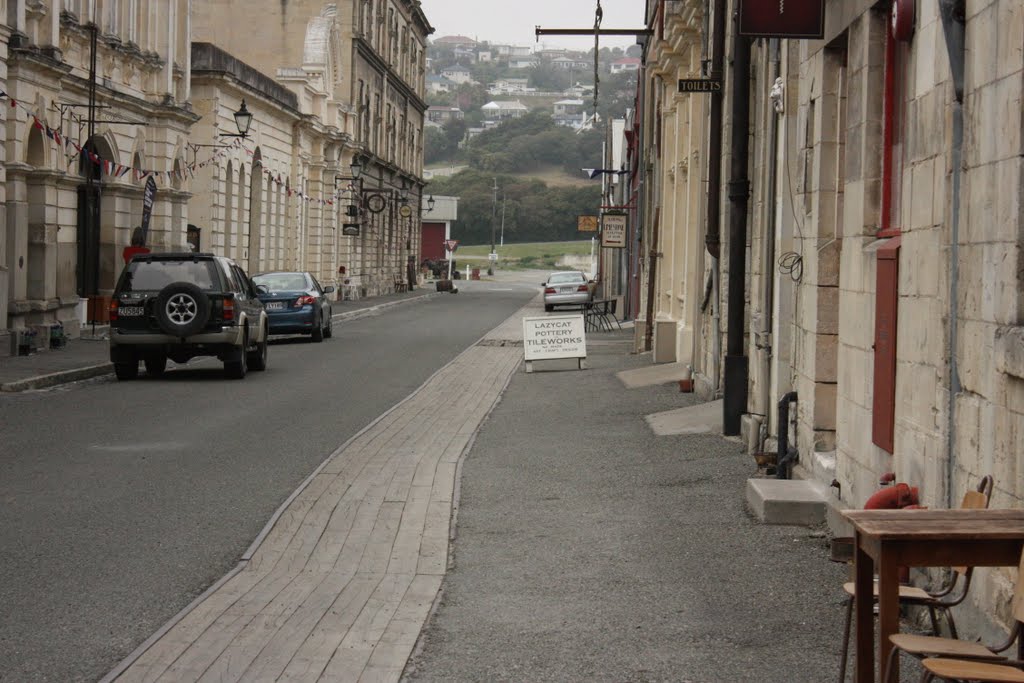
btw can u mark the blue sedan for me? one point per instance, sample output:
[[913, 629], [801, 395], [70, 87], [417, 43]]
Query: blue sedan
[[295, 303]]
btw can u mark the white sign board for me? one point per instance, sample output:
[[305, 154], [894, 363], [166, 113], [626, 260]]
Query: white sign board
[[552, 337], [613, 230]]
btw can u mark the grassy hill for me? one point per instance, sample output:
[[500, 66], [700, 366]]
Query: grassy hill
[[526, 256]]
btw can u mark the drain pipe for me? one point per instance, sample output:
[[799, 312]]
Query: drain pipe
[[787, 455], [952, 13], [737, 369]]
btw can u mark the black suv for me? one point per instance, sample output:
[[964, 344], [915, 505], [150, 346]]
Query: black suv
[[180, 306]]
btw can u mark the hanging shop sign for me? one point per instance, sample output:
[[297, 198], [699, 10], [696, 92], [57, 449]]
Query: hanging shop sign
[[782, 18], [613, 230], [350, 229], [687, 85], [376, 203], [586, 223], [148, 197]]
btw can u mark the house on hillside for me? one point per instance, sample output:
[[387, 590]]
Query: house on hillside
[[465, 54], [625, 64], [527, 62], [569, 113], [457, 74], [568, 63], [442, 115], [579, 90], [506, 86], [452, 42], [507, 51], [501, 110], [439, 84]]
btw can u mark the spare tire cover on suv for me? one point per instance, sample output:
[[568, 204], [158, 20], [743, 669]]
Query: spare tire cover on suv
[[181, 309]]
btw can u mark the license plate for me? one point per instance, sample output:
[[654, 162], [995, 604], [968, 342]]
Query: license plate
[[129, 311], [566, 290], [275, 305]]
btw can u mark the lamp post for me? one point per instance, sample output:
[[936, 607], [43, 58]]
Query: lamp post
[[492, 257]]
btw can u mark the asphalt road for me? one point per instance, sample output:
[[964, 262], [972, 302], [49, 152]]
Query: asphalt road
[[121, 502]]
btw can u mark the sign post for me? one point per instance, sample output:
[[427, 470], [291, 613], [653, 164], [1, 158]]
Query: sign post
[[552, 337], [450, 246]]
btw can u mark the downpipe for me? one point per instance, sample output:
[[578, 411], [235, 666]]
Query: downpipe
[[786, 454]]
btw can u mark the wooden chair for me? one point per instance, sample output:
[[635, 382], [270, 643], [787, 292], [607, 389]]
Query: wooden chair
[[973, 669], [400, 284], [939, 601]]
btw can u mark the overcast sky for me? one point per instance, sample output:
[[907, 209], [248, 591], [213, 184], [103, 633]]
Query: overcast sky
[[513, 21]]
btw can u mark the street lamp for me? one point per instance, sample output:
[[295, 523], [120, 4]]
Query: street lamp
[[356, 166], [243, 119], [430, 204]]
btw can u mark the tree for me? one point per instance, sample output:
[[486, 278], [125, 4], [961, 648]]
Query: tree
[[546, 77], [534, 212]]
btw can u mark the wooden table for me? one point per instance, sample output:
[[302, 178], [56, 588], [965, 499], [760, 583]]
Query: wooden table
[[890, 539]]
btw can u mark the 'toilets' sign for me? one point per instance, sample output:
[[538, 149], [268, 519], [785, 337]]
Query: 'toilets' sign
[[554, 336]]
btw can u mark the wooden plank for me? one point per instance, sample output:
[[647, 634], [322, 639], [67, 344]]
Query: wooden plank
[[316, 650], [406, 550], [231, 664], [283, 646], [350, 657], [434, 545], [378, 547]]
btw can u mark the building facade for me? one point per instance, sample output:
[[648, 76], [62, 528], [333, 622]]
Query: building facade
[[357, 69], [856, 248], [74, 174]]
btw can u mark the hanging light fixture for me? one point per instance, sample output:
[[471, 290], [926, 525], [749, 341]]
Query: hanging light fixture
[[356, 166], [430, 203], [243, 119]]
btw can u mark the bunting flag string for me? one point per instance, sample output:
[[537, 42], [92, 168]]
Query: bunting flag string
[[188, 171]]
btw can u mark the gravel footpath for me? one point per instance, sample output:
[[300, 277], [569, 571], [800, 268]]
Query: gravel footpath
[[589, 549]]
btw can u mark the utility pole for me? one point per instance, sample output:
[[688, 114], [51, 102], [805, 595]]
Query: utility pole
[[494, 224], [503, 219]]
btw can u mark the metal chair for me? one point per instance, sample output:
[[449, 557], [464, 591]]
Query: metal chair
[[973, 669], [939, 601]]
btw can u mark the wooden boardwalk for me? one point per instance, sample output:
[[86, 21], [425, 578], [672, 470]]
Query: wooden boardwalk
[[340, 586]]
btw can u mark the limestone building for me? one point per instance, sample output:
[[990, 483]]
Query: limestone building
[[354, 76], [72, 188], [859, 255]]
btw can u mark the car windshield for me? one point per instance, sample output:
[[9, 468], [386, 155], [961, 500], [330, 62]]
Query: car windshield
[[566, 278], [282, 282], [157, 274]]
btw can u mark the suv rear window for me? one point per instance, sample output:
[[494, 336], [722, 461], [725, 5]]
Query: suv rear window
[[155, 275]]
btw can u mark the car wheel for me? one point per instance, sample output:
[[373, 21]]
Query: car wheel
[[548, 308], [155, 365], [182, 309], [318, 332], [238, 365], [126, 370], [329, 332], [258, 358]]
